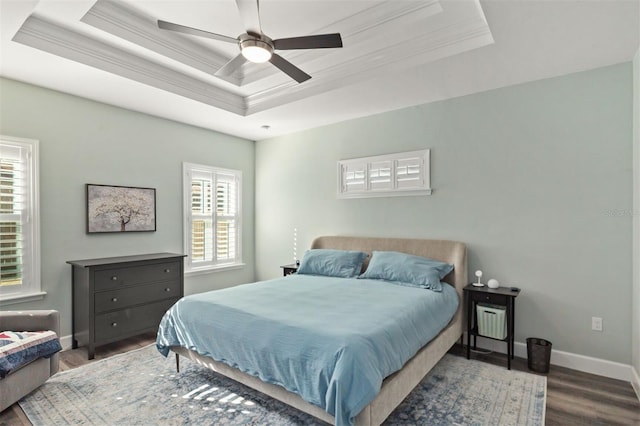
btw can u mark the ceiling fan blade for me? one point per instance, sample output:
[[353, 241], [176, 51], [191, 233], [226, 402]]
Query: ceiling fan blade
[[250, 14], [231, 66], [193, 31], [320, 41], [288, 68]]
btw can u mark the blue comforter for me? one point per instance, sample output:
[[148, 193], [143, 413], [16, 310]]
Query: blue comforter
[[330, 340]]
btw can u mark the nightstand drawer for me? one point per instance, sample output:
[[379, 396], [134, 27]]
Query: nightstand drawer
[[496, 299], [115, 278], [135, 295]]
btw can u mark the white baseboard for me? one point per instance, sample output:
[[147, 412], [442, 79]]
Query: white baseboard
[[601, 367], [65, 342], [635, 382]]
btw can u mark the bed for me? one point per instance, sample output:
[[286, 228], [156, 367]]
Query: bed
[[396, 381]]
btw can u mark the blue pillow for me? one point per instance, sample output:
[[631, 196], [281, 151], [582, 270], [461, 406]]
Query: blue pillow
[[332, 263], [406, 269]]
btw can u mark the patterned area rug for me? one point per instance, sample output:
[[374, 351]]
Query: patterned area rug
[[142, 387]]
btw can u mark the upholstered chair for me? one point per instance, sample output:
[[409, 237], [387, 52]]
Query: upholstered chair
[[21, 382]]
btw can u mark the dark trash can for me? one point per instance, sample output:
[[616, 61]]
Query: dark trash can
[[538, 354]]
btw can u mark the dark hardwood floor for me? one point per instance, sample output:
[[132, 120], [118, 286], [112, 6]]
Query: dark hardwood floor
[[573, 397]]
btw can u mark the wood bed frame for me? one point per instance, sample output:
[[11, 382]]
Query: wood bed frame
[[397, 386]]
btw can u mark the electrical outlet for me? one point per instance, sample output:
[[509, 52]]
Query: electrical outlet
[[596, 323]]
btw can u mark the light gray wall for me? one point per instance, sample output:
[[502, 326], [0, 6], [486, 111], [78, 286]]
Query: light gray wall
[[81, 142], [635, 322], [535, 178]]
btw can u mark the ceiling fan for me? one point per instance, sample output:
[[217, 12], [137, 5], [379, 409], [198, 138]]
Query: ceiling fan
[[257, 47]]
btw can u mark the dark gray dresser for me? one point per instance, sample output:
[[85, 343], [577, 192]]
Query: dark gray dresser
[[119, 297]]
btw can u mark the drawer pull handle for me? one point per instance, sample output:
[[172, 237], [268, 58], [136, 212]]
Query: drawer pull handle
[[167, 289], [115, 299], [114, 278], [167, 270], [114, 324]]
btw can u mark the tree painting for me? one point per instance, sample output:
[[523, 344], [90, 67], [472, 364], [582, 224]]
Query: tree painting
[[120, 209]]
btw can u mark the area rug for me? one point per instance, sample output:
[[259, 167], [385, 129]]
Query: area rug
[[141, 387]]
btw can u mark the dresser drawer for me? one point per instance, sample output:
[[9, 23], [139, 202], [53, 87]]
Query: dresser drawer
[[108, 279], [135, 295], [128, 321], [498, 299]]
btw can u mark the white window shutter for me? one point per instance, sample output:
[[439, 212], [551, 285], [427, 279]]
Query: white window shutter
[[212, 206], [19, 224], [399, 174], [354, 177], [380, 175], [409, 173]]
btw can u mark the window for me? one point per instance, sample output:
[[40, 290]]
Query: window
[[405, 173], [212, 217], [19, 221]]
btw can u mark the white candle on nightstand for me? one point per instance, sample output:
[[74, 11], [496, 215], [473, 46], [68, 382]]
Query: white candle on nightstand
[[295, 245]]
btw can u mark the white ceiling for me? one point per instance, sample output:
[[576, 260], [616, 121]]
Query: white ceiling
[[396, 53]]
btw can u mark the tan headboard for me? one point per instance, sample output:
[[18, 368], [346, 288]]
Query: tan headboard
[[452, 252]]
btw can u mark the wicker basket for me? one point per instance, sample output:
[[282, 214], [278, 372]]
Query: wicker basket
[[491, 321]]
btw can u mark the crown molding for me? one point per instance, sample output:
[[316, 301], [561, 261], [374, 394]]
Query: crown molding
[[47, 35], [128, 23]]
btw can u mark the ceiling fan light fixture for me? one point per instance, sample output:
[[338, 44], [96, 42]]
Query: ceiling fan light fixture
[[256, 51], [256, 47]]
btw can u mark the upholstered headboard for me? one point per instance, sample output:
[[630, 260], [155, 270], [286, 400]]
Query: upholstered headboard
[[452, 252]]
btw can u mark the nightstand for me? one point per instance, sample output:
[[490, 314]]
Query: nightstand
[[289, 269], [503, 296]]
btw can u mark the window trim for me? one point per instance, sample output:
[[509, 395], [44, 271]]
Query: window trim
[[32, 291], [365, 164], [189, 269]]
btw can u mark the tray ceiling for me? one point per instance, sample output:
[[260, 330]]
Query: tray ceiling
[[396, 53], [377, 36]]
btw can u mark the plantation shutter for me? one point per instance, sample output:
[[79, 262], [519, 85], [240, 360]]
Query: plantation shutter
[[410, 173], [214, 216], [15, 204], [380, 177], [354, 177], [202, 218], [399, 174], [226, 213]]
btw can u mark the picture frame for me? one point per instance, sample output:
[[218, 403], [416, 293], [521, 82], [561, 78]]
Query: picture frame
[[118, 209]]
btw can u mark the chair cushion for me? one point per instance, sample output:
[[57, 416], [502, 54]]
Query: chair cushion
[[20, 348]]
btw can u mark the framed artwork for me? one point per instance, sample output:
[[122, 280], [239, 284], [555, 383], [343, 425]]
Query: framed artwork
[[120, 209]]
